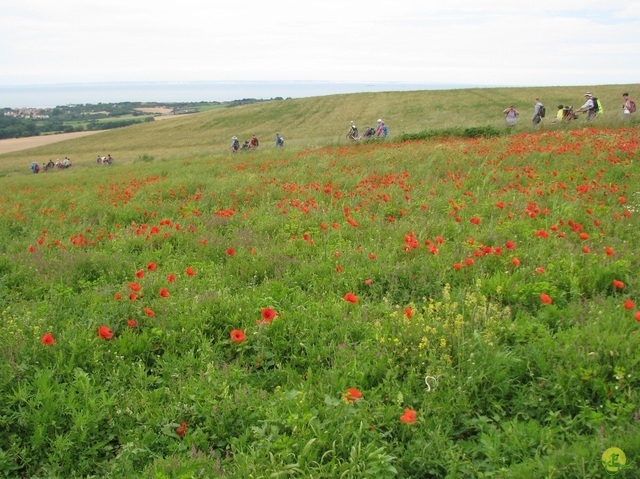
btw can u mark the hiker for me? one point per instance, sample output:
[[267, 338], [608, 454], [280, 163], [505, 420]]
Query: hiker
[[559, 114], [591, 106], [352, 134], [108, 160], [66, 163], [246, 145], [35, 168], [382, 130], [235, 144], [254, 141], [538, 112], [511, 115], [279, 141], [628, 107], [368, 133]]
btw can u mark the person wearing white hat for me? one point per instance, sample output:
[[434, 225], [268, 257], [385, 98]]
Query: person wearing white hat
[[235, 144], [589, 106], [352, 134]]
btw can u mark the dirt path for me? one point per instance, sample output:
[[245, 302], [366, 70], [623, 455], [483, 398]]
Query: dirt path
[[17, 144]]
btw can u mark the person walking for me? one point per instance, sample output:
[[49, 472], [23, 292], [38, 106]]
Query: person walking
[[352, 134], [279, 141], [628, 106], [511, 115], [538, 112], [590, 106], [235, 144]]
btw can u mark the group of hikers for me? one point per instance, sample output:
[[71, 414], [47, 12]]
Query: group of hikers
[[66, 163], [61, 164], [252, 143], [104, 160], [592, 107], [247, 145], [369, 132]]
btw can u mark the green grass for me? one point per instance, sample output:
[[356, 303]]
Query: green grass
[[448, 244], [318, 121]]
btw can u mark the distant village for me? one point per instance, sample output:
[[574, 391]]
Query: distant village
[[33, 113]]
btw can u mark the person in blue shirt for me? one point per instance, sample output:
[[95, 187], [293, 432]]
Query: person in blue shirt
[[235, 144], [382, 130], [279, 141]]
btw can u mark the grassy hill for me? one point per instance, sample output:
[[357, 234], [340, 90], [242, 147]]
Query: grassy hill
[[312, 122], [457, 307]]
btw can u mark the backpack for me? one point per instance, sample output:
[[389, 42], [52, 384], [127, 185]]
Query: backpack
[[543, 111], [597, 106], [631, 106]]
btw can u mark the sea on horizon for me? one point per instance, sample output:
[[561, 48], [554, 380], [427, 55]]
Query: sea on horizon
[[48, 96]]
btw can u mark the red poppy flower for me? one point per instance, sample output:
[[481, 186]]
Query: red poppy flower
[[164, 293], [231, 252], [408, 312], [510, 244], [268, 314], [475, 221], [47, 339], [352, 222], [637, 315], [409, 416], [134, 287], [117, 296], [617, 284], [132, 323], [628, 304], [151, 266], [515, 261], [132, 296], [149, 312], [609, 251], [104, 332], [182, 429], [352, 395], [139, 273], [171, 278], [368, 281], [545, 298], [586, 249], [237, 336], [351, 298], [190, 271]]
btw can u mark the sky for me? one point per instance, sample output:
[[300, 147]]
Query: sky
[[479, 42]]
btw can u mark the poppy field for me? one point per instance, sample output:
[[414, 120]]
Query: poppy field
[[441, 308]]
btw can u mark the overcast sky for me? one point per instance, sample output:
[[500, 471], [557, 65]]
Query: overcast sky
[[487, 42]]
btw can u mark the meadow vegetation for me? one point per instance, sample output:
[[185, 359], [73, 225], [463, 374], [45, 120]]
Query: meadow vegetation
[[444, 307]]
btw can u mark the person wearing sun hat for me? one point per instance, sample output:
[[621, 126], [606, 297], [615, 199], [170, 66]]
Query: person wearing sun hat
[[235, 144], [352, 134], [589, 106]]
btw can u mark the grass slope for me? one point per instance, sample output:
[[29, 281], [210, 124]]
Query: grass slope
[[311, 122], [276, 313]]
